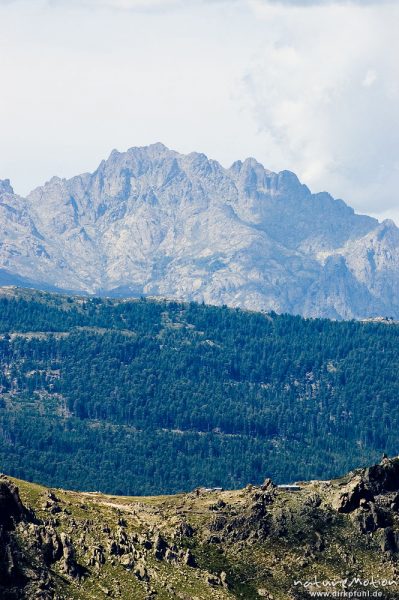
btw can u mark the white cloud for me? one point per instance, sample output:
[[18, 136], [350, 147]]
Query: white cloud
[[141, 5], [312, 3], [370, 78], [129, 5], [325, 89], [144, 4]]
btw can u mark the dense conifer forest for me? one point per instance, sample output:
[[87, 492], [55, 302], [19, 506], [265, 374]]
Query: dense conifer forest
[[146, 396]]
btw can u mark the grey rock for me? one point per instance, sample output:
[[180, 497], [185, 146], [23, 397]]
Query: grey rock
[[353, 494], [184, 529], [141, 572], [151, 221], [213, 580], [170, 556], [189, 559], [97, 556], [68, 563], [127, 561], [11, 507], [5, 187]]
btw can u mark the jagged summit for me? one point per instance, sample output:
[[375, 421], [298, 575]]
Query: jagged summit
[[5, 187], [154, 221]]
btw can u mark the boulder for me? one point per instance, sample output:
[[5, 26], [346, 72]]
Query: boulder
[[212, 580], [188, 558], [170, 556], [387, 540], [68, 564], [383, 477], [50, 545], [97, 556], [141, 572], [159, 547], [349, 498], [127, 561], [184, 529]]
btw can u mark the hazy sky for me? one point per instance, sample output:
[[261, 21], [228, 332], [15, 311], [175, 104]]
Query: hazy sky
[[306, 85]]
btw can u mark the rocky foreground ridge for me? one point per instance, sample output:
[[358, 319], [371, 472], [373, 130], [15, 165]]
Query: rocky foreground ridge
[[259, 542], [151, 221]]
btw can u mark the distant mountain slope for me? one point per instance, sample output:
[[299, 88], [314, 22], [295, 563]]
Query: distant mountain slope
[[152, 221], [147, 397]]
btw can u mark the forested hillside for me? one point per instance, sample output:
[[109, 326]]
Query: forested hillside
[[143, 396]]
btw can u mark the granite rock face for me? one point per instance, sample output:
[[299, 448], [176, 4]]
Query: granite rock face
[[151, 221]]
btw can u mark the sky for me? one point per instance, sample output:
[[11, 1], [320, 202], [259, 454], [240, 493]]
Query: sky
[[306, 85]]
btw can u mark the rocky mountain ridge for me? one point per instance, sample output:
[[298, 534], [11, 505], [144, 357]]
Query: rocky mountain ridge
[[151, 221], [260, 542]]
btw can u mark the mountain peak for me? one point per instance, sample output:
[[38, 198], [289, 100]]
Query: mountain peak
[[388, 224], [151, 151], [156, 149], [251, 163], [159, 147], [287, 181], [153, 221], [388, 231], [5, 187]]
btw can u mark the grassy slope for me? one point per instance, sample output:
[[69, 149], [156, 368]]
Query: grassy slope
[[309, 541]]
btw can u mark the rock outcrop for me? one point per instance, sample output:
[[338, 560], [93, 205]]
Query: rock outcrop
[[29, 547], [261, 542], [11, 507]]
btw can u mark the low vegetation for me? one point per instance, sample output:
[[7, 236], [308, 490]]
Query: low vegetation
[[257, 542]]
